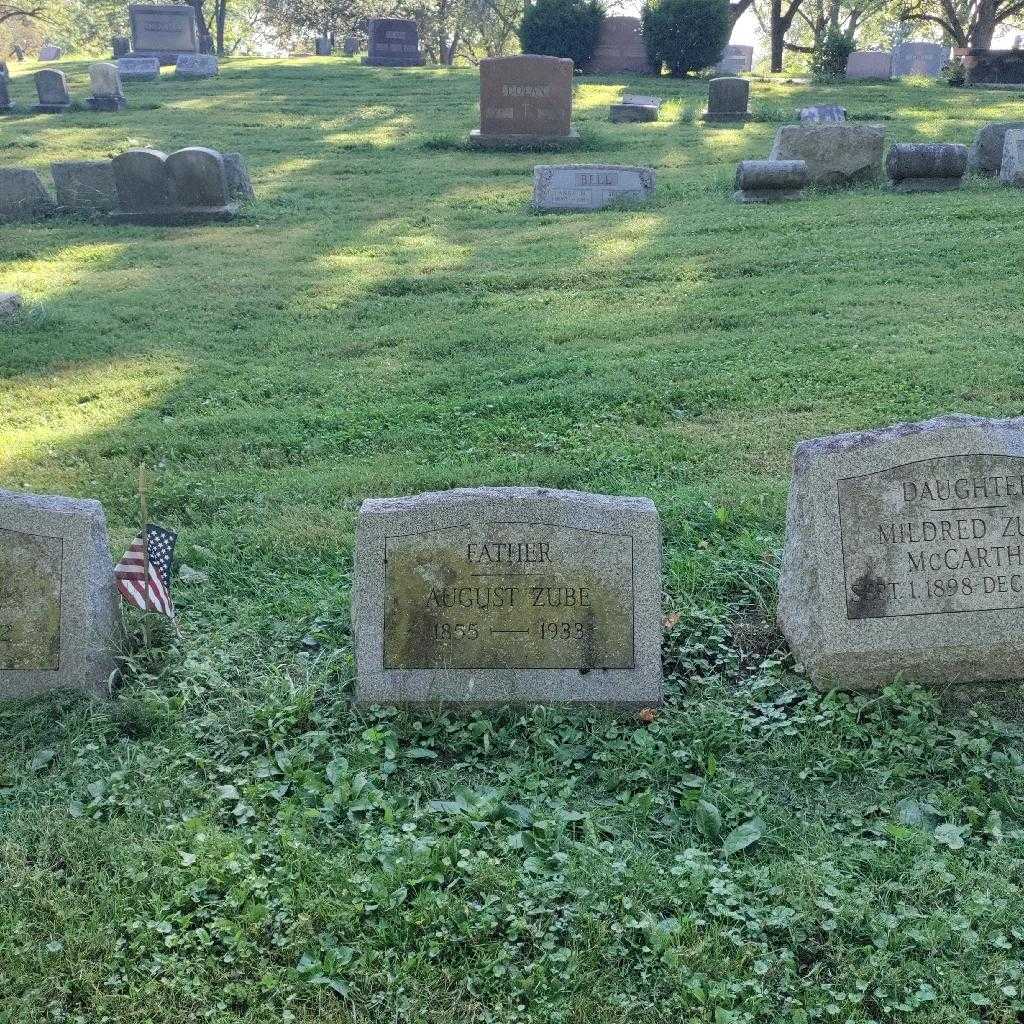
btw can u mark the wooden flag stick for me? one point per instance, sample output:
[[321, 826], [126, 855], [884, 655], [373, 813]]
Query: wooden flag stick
[[145, 550]]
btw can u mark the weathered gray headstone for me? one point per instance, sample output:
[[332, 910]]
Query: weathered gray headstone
[[199, 182], [106, 87], [926, 59], [394, 43], [736, 58], [6, 104], [632, 108], [10, 305], [589, 186], [240, 188], [904, 554], [50, 52], [323, 46], [620, 48], [727, 100], [986, 154], [836, 154], [525, 100], [869, 64], [59, 623], [85, 186], [138, 69], [22, 196], [1012, 170], [822, 114], [120, 46], [142, 183], [508, 595], [196, 65], [52, 90], [770, 181], [926, 166], [351, 45], [163, 30]]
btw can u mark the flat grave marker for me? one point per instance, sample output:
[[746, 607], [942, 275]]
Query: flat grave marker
[[589, 186]]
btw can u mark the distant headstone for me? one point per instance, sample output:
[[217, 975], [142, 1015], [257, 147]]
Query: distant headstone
[[822, 114], [138, 69], [508, 595], [634, 108], [85, 186], [727, 100], [351, 45], [926, 166], [6, 105], [620, 48], [1012, 170], [869, 64], [10, 305], [836, 154], [22, 196], [525, 100], [59, 620], [323, 46], [196, 65], [904, 554], [240, 188], [770, 181], [394, 43], [50, 52], [163, 30], [120, 46], [589, 186], [736, 58], [187, 187], [986, 154], [926, 59], [106, 87], [52, 90]]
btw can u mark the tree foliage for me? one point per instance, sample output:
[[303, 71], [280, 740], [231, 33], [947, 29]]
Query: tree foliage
[[686, 35], [563, 28], [965, 22]]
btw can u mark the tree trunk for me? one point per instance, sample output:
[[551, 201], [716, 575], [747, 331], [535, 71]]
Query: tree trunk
[[778, 34], [222, 15], [984, 27], [205, 42]]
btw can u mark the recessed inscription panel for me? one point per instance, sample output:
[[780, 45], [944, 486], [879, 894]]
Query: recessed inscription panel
[[30, 601], [941, 536], [504, 595]]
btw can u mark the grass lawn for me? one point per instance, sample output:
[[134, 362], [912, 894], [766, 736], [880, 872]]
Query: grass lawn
[[228, 841]]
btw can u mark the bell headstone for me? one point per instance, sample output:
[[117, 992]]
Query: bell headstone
[[926, 166], [85, 186], [836, 154], [196, 65], [770, 181], [52, 90], [106, 87], [727, 100], [22, 196], [822, 114], [393, 43], [736, 58], [59, 621], [869, 64], [904, 554], [525, 100], [620, 48], [508, 595], [138, 69], [927, 59], [986, 154], [590, 186], [163, 30]]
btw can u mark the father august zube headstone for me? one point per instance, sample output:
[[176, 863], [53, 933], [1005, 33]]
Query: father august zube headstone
[[904, 554], [508, 595]]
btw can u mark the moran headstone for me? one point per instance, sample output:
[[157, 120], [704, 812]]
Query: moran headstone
[[138, 69], [620, 48], [590, 186], [1012, 170], [508, 595], [525, 100], [107, 93], [770, 181], [85, 186], [986, 154], [926, 166], [736, 58], [163, 31], [393, 43], [727, 100], [904, 554], [196, 65], [822, 114], [633, 108], [927, 59], [22, 196], [52, 91], [836, 154], [868, 64], [59, 620]]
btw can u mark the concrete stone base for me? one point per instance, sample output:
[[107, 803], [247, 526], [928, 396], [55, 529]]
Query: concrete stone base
[[727, 118], [50, 108], [106, 104], [479, 141], [772, 195], [628, 113], [176, 216], [394, 62], [926, 185]]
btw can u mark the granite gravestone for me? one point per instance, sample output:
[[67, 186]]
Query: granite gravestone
[[50, 52], [927, 59], [6, 104], [508, 595], [59, 621], [239, 183], [836, 154], [904, 554], [1012, 170], [351, 45], [986, 154], [525, 100], [10, 305], [620, 48], [22, 196], [869, 64], [633, 108], [120, 46], [52, 90], [196, 65], [926, 166], [822, 114], [736, 58], [323, 46], [394, 43], [85, 186], [163, 31], [106, 87], [590, 186], [727, 100], [138, 69]]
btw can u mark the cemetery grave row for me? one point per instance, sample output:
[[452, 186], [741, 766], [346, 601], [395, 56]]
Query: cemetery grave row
[[904, 557]]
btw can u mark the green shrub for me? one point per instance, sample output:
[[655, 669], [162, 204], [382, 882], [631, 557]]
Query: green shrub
[[955, 73], [829, 59], [562, 28], [686, 35]]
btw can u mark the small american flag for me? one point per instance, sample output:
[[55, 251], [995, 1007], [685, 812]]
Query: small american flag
[[128, 573]]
